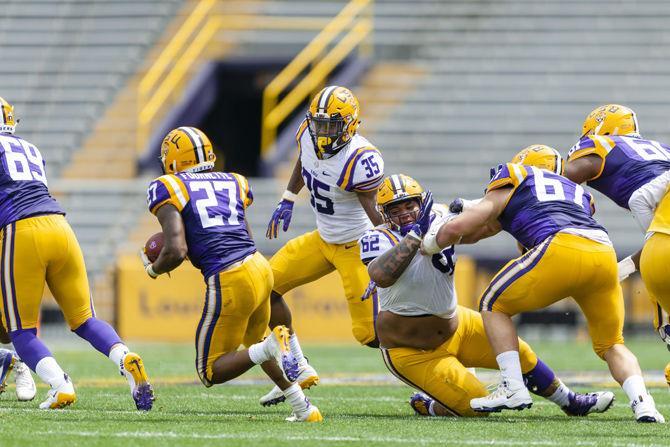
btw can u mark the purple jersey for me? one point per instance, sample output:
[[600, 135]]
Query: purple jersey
[[212, 206], [627, 163], [23, 182], [542, 204]]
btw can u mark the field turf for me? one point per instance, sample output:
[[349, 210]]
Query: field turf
[[362, 405]]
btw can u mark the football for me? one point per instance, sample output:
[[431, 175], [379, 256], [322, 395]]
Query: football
[[154, 246]]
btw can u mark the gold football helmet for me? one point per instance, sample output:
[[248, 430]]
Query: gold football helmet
[[7, 121], [394, 189], [187, 149], [611, 119], [332, 120], [540, 156]]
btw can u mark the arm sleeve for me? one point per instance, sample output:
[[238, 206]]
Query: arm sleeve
[[167, 189], [363, 171], [246, 195], [374, 243]]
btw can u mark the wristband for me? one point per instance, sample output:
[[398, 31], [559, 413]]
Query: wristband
[[429, 244], [150, 271], [288, 195]]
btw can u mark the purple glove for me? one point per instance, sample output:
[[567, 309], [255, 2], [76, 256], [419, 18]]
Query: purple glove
[[283, 212], [422, 223], [369, 291], [493, 171], [456, 206]]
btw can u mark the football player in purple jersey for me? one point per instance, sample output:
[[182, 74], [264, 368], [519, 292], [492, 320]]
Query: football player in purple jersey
[[634, 173], [569, 255], [202, 214], [39, 246]]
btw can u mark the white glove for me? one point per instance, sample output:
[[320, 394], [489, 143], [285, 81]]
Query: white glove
[[626, 267]]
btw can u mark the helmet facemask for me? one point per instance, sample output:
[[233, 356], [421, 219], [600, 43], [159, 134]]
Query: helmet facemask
[[327, 132], [401, 214]]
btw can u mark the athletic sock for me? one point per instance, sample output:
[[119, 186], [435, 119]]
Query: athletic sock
[[296, 350], [561, 396], [635, 388], [50, 372], [296, 398], [257, 352], [116, 355], [510, 368]]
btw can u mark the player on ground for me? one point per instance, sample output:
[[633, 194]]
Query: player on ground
[[38, 245], [634, 172], [569, 254], [427, 340], [202, 214], [342, 171]]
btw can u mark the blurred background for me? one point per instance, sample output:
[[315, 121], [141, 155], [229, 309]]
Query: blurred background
[[447, 89]]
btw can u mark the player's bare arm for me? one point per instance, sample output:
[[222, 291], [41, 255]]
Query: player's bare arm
[[387, 268], [583, 169], [296, 182], [368, 200], [473, 224], [174, 240]]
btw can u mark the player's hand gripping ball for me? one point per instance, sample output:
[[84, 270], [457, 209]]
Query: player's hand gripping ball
[[154, 246]]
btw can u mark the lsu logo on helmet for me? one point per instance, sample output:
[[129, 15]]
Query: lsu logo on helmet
[[187, 149], [332, 120], [611, 119], [7, 121], [394, 189], [540, 156]]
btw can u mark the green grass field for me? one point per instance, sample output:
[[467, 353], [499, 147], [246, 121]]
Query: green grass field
[[362, 405]]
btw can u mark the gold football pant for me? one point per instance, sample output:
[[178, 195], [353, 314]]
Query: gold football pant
[[655, 271], [441, 373], [561, 266], [35, 250], [308, 257], [237, 311]]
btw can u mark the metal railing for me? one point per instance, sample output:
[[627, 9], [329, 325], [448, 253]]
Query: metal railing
[[160, 82], [353, 26]]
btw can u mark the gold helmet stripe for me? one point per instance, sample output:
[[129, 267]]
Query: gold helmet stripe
[[197, 142], [323, 101]]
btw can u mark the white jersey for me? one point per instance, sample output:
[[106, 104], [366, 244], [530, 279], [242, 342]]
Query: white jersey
[[334, 182], [427, 284]]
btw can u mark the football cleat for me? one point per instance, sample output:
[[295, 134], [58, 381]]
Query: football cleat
[[278, 345], [421, 404], [7, 361], [142, 392], [310, 414], [60, 397], [307, 378], [504, 397], [645, 410], [583, 404], [25, 385]]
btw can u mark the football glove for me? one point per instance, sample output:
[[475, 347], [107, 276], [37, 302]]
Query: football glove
[[493, 171], [283, 212], [423, 221], [456, 206], [369, 291]]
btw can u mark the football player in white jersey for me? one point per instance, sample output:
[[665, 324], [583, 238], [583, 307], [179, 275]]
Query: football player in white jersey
[[428, 341], [9, 360], [342, 171]]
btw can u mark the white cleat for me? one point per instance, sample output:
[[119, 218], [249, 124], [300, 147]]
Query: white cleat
[[277, 347], [307, 378], [60, 397], [506, 397], [645, 410], [311, 414], [25, 385]]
